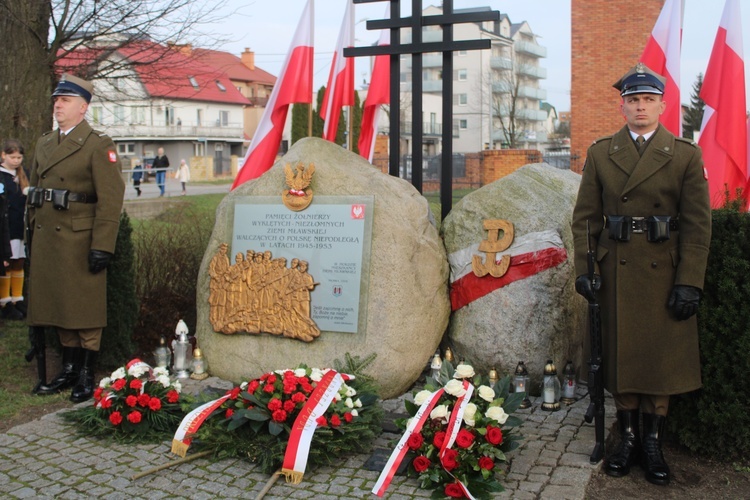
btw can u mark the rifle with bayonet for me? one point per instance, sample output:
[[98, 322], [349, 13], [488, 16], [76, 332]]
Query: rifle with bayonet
[[595, 411]]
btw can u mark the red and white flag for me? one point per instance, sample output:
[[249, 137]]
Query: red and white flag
[[662, 55], [723, 135], [293, 85], [377, 94], [340, 88]]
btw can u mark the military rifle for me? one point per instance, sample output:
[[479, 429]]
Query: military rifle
[[595, 411], [37, 340]]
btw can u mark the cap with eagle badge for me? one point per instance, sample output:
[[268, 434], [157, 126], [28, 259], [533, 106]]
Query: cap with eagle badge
[[74, 86], [640, 80]]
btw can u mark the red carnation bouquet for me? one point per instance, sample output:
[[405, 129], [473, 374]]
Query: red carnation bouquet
[[473, 462], [256, 419], [136, 402]]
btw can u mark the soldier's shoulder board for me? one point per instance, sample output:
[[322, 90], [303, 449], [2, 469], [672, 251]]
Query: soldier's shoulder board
[[686, 141], [47, 132], [600, 139]]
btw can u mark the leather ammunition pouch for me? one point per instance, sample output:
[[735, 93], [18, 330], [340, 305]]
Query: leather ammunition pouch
[[656, 227], [60, 198]]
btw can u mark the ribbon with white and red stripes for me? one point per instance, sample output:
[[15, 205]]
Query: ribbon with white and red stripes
[[386, 476], [191, 423], [301, 434], [454, 424], [529, 254]]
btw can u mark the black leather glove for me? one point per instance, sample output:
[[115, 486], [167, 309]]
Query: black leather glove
[[684, 301], [98, 260], [587, 288]]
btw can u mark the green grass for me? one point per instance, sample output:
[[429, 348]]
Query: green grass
[[19, 377]]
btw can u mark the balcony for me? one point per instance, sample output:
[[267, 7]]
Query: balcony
[[502, 63], [536, 115], [503, 87], [530, 48], [532, 93], [532, 71], [190, 132]]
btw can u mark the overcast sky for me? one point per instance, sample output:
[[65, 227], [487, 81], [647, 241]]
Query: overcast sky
[[267, 26]]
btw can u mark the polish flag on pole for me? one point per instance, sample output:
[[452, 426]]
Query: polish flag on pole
[[662, 55], [377, 94], [340, 88], [293, 85], [723, 135]]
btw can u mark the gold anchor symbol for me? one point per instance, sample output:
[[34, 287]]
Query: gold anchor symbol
[[491, 246]]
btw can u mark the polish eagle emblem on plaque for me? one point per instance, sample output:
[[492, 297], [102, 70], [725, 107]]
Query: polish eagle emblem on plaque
[[299, 195]]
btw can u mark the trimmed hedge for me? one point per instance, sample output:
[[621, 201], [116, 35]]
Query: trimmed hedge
[[715, 420]]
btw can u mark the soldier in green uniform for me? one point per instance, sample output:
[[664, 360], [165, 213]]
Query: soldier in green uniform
[[645, 195], [74, 206]]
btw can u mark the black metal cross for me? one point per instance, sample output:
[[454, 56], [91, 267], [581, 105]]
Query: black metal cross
[[416, 48]]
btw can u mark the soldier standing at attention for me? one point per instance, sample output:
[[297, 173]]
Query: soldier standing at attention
[[645, 195], [75, 201]]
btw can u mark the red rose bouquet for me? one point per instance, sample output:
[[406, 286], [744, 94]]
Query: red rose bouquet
[[256, 419], [485, 433], [136, 402]]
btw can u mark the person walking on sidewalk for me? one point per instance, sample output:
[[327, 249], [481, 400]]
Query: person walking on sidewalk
[[183, 175], [137, 176], [161, 164], [74, 206], [644, 193], [15, 185]]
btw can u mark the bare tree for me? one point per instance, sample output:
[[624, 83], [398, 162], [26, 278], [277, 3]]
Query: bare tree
[[37, 35], [508, 104]]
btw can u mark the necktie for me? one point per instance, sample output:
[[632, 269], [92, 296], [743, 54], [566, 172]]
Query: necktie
[[640, 142], [62, 136]]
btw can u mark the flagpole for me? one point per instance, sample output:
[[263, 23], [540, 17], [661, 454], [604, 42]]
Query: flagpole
[[350, 142], [309, 120]]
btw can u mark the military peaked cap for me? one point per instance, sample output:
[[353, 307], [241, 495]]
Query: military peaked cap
[[74, 86], [640, 80]]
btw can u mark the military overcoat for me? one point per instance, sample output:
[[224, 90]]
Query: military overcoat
[[645, 349], [62, 291]]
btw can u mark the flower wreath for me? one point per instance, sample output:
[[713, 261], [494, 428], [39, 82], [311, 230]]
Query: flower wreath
[[136, 402], [458, 434], [256, 418]]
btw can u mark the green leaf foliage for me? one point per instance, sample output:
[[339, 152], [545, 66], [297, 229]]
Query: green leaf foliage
[[714, 420]]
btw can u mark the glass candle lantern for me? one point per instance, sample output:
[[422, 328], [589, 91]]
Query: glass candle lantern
[[162, 354], [181, 348], [435, 366], [521, 383], [569, 384], [199, 365], [550, 388]]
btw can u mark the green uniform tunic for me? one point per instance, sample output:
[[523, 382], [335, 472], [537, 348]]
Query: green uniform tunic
[[645, 349], [62, 291]]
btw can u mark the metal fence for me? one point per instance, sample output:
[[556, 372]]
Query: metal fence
[[432, 165]]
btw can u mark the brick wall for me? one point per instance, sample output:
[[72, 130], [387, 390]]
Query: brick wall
[[607, 38]]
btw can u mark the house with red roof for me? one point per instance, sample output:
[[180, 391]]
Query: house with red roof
[[198, 104]]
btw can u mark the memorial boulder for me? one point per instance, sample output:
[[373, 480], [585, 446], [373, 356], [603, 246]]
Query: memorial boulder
[[396, 291], [528, 312]]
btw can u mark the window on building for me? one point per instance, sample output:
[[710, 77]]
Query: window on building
[[96, 115], [223, 118], [169, 115], [194, 82], [119, 112], [463, 99], [199, 118], [463, 124], [199, 149], [221, 86], [138, 115], [125, 148], [462, 75]]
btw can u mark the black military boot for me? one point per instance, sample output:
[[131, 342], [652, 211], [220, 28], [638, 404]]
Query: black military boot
[[84, 389], [657, 470], [71, 366], [628, 451]]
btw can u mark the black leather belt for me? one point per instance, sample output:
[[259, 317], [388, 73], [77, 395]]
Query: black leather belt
[[640, 224], [76, 197]]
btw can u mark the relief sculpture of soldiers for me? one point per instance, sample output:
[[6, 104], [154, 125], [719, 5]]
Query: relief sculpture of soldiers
[[260, 294]]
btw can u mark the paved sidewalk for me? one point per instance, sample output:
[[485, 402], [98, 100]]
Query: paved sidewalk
[[47, 459]]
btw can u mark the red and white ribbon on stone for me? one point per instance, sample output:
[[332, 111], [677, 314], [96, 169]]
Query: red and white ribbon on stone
[[529, 254], [191, 423], [300, 437], [415, 425]]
